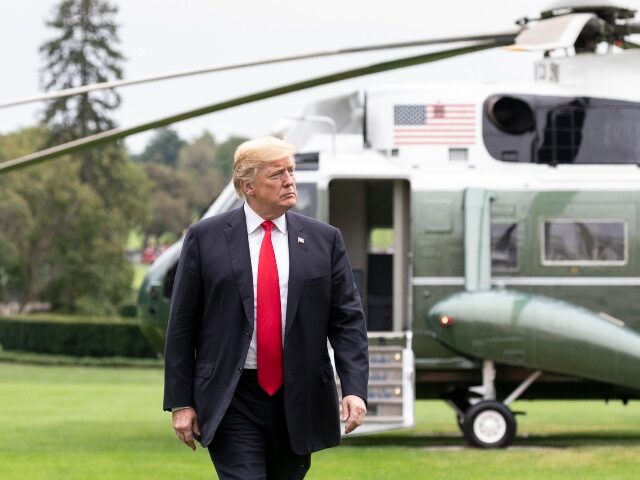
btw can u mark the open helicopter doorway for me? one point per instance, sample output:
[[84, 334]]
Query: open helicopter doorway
[[373, 216]]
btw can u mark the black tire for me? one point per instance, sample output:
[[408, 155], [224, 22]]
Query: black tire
[[489, 424]]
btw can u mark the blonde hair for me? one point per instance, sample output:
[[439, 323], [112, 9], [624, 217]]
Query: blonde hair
[[253, 154]]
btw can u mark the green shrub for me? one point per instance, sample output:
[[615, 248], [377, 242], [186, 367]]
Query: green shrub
[[74, 336], [129, 310], [28, 358]]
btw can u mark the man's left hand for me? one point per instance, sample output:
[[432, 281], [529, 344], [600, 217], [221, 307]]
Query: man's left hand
[[353, 412]]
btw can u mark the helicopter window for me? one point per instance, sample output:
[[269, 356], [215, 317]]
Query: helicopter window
[[611, 134], [307, 161], [561, 130], [580, 242], [504, 247], [381, 240], [562, 134], [307, 202]]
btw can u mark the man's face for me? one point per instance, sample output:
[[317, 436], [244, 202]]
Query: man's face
[[273, 190]]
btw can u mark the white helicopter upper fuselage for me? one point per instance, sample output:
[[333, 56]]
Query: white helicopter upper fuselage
[[364, 143]]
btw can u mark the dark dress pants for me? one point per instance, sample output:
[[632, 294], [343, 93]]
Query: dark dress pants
[[252, 441]]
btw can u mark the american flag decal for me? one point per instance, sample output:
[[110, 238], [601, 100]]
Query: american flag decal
[[437, 124]]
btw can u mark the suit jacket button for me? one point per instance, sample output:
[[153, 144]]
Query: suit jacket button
[[240, 369], [248, 335]]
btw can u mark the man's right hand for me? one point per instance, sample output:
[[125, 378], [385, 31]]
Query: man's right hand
[[185, 424]]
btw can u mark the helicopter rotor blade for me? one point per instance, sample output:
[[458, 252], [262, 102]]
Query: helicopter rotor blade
[[507, 36], [118, 133]]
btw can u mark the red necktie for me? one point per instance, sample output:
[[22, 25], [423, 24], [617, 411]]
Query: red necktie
[[269, 313]]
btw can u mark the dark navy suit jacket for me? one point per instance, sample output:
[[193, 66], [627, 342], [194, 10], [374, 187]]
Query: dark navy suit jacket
[[211, 324]]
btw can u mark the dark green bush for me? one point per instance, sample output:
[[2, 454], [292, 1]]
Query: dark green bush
[[129, 310], [28, 358], [74, 336]]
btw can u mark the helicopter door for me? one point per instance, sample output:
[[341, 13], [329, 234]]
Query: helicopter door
[[373, 216]]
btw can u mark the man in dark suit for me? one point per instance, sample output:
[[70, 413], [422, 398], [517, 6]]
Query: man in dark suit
[[258, 292]]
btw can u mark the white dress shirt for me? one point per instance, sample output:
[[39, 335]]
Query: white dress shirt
[[280, 244]]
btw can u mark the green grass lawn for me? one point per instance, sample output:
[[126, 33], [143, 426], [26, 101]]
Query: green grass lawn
[[106, 423]]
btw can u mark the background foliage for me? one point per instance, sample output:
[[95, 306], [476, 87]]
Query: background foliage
[[64, 225], [63, 243], [184, 181], [74, 336]]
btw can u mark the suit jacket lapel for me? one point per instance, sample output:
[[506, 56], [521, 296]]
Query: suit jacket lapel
[[238, 245], [297, 268]]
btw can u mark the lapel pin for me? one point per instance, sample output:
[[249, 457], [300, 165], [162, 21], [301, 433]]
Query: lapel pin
[[300, 240]]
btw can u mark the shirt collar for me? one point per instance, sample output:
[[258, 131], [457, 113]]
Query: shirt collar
[[254, 220]]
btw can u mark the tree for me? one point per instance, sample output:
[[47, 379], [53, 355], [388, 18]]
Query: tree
[[58, 241], [171, 201], [181, 194], [82, 53], [164, 148], [16, 219], [15, 223], [225, 154], [199, 159], [107, 195]]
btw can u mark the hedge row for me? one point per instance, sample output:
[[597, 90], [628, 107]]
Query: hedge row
[[74, 336], [29, 358]]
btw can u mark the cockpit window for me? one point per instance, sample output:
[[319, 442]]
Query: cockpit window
[[563, 130], [563, 133]]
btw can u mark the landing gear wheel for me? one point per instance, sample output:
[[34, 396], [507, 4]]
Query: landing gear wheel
[[489, 424]]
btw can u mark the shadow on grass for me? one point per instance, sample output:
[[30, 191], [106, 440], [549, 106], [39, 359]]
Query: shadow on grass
[[406, 440], [580, 439], [554, 440]]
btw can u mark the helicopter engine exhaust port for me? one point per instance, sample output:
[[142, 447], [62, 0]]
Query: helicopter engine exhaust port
[[510, 114]]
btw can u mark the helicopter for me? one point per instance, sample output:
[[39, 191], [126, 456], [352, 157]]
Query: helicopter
[[492, 229]]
